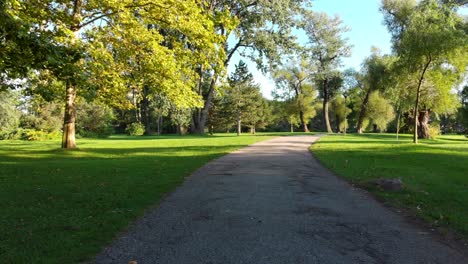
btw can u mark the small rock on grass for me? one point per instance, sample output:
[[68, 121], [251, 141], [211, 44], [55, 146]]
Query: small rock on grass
[[392, 184]]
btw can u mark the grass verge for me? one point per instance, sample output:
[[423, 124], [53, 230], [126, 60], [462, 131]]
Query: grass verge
[[63, 206], [434, 172]]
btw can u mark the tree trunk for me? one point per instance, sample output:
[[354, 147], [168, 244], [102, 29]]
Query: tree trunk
[[239, 130], [375, 129], [416, 104], [292, 128], [252, 130], [398, 123], [362, 113], [326, 118], [145, 111], [203, 114], [423, 124], [303, 122], [68, 138]]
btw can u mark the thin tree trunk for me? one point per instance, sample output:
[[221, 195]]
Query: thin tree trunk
[[416, 104], [326, 118], [292, 128], [68, 138], [145, 110], [239, 131], [362, 113], [398, 123], [303, 122]]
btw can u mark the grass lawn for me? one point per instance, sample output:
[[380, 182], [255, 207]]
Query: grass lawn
[[63, 206], [434, 172]]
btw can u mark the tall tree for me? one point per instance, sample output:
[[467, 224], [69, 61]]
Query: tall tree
[[431, 42], [106, 39], [293, 83], [374, 73], [326, 46], [262, 31], [243, 94]]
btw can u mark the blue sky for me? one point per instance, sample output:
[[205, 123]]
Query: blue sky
[[367, 30]]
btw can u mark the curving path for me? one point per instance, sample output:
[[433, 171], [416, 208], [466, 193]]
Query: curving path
[[272, 202]]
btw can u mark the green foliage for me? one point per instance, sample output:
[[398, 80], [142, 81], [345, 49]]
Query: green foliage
[[39, 135], [380, 111], [43, 116], [294, 86], [340, 111], [431, 42], [241, 99], [9, 113], [434, 131], [94, 119], [135, 129]]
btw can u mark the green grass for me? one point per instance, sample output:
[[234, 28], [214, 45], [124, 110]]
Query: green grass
[[63, 206], [434, 172]]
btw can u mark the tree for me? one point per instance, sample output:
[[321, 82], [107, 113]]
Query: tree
[[326, 45], [99, 42], [380, 111], [340, 111], [293, 83], [9, 113], [374, 77], [431, 43], [261, 30], [243, 95]]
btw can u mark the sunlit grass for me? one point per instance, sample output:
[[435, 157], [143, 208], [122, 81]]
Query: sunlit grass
[[61, 206], [434, 172]]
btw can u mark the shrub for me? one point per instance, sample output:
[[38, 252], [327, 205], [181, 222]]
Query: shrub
[[135, 129], [434, 131], [39, 135], [94, 120]]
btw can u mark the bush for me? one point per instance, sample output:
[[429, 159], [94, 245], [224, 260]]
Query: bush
[[434, 131], [39, 135], [135, 129], [11, 134], [94, 120]]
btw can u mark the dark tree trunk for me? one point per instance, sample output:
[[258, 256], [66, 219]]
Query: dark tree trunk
[[202, 115], [68, 138], [416, 104], [145, 111], [375, 129], [362, 113], [423, 124]]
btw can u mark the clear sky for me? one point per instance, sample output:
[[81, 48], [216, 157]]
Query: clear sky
[[367, 30]]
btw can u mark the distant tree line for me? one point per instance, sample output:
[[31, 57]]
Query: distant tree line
[[95, 68]]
